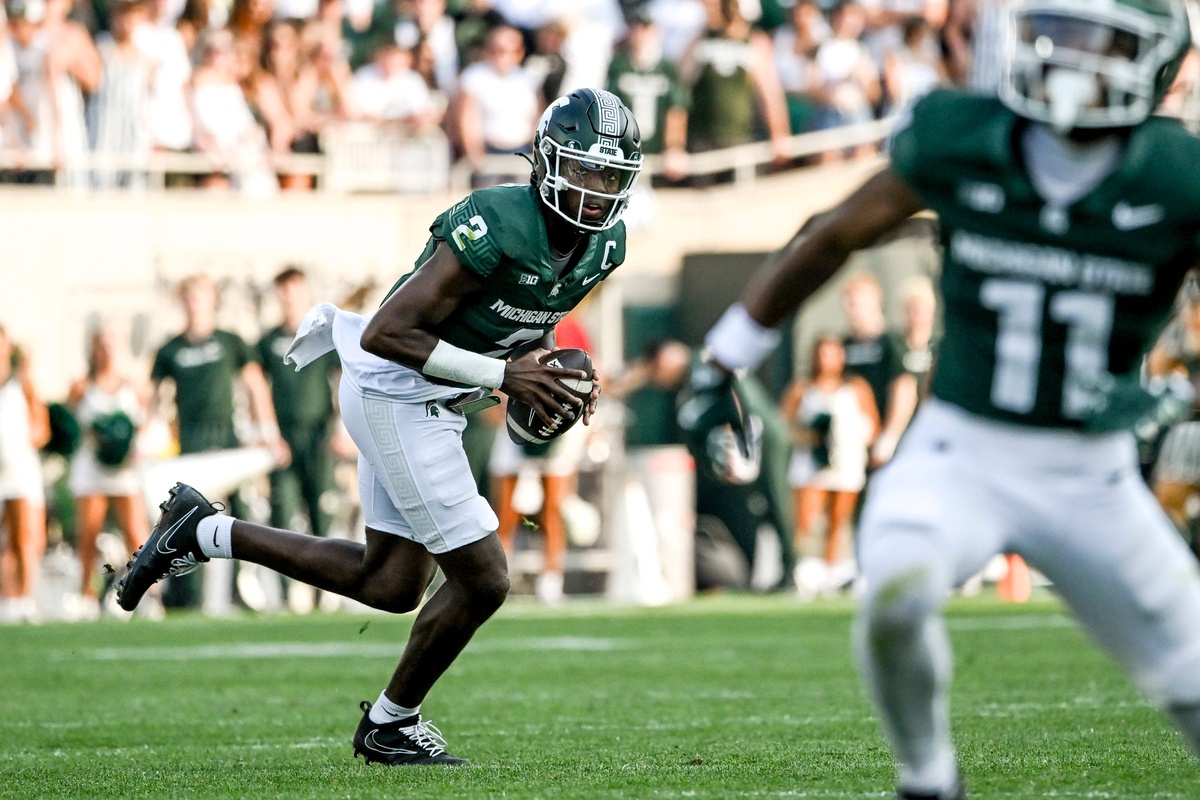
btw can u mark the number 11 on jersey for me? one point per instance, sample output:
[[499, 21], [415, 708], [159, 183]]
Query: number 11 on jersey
[[1088, 317]]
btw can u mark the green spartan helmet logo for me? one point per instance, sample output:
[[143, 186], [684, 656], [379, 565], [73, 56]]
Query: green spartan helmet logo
[[432, 410]]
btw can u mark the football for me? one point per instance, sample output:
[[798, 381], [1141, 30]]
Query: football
[[526, 427]]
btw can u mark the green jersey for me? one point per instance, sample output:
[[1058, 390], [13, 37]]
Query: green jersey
[[203, 373], [304, 398], [499, 234], [723, 105], [649, 94], [1045, 305]]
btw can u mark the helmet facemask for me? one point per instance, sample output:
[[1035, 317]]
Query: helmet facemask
[[564, 169], [1089, 64]]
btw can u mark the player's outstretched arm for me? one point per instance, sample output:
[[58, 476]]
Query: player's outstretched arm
[[744, 336], [813, 256]]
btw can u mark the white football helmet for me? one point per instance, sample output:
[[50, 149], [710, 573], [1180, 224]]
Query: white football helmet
[[1092, 63]]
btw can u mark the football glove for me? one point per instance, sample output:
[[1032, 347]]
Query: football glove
[[736, 457]]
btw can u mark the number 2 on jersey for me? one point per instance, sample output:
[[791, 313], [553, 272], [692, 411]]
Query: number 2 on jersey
[[1088, 317]]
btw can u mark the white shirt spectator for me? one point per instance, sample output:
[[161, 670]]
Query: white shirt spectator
[[508, 104], [168, 115], [441, 43], [393, 98]]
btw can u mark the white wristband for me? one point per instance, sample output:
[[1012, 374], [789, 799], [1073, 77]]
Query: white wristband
[[738, 342], [463, 366]]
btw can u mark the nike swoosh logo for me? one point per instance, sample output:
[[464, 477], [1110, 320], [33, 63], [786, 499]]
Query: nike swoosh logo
[[370, 742], [1127, 218], [163, 545], [586, 281]]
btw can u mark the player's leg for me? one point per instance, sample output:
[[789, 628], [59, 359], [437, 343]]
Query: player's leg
[[316, 480], [841, 507], [809, 503], [555, 489], [89, 511], [505, 486], [130, 510], [1118, 562], [930, 521]]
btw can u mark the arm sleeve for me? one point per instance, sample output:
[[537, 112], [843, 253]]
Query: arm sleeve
[[473, 235], [162, 365]]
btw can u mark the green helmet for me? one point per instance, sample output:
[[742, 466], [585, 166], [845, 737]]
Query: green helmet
[[588, 130], [1092, 63]]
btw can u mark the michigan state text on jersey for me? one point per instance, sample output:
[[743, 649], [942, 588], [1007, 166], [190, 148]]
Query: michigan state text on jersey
[[1069, 218], [501, 268]]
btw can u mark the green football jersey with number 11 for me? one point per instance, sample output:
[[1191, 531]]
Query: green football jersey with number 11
[[1046, 305], [500, 235]]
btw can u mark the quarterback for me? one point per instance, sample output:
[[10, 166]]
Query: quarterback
[[1069, 217], [500, 269]]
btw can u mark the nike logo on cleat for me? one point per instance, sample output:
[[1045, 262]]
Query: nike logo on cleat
[[163, 543], [370, 742]]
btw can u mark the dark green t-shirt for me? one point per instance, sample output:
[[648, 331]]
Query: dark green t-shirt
[[302, 399], [649, 94], [203, 373], [1045, 305], [878, 361], [499, 234]]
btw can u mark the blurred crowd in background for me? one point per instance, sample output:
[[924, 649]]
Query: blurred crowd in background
[[89, 88]]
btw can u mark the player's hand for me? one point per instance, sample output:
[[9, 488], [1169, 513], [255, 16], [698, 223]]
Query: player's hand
[[537, 384], [591, 406]]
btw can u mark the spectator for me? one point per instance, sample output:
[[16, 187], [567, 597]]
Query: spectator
[[913, 69], [729, 69], [389, 90], [429, 24], [199, 19], [873, 355], [850, 76], [498, 104], [56, 64], [248, 21], [546, 65], [119, 110], [473, 24], [795, 58], [833, 419], [224, 126], [649, 85], [24, 427], [167, 117], [304, 407], [917, 345], [109, 407], [265, 99], [203, 362], [974, 37]]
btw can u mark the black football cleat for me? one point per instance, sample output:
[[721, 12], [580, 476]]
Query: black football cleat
[[406, 741], [172, 548]]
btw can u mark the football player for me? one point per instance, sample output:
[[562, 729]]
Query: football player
[[500, 269], [1069, 218]]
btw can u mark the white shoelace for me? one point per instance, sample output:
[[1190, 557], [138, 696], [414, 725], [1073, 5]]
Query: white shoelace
[[425, 735], [183, 565]]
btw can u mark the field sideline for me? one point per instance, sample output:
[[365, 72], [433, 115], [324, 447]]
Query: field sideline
[[721, 698]]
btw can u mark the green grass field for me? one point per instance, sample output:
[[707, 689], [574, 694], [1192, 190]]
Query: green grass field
[[722, 698]]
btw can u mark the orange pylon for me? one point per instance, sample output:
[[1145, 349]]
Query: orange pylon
[[1015, 586]]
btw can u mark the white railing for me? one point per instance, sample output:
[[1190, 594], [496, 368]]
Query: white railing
[[363, 157]]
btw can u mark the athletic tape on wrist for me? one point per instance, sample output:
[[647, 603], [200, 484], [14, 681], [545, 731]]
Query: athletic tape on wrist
[[738, 342], [463, 366]]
